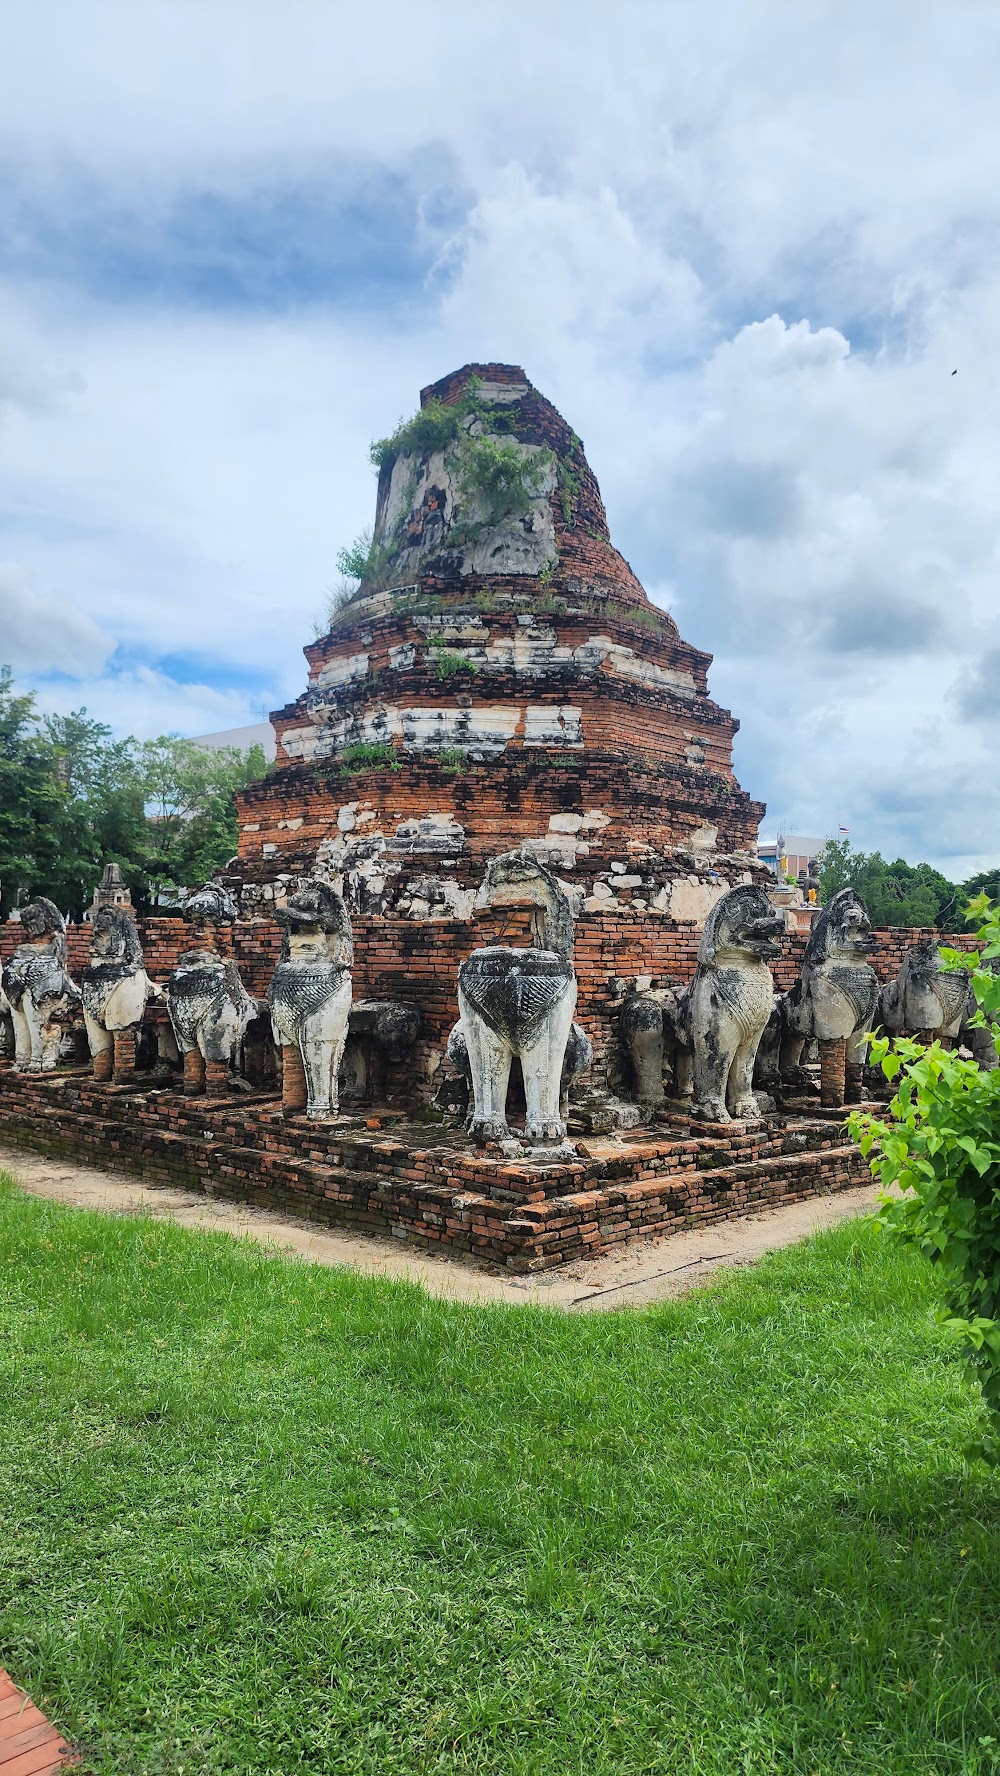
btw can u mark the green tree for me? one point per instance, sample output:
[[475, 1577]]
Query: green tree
[[103, 819], [896, 894], [985, 882], [32, 799], [939, 1143], [73, 798], [189, 791]]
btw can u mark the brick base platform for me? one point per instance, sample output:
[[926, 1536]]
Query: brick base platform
[[420, 1181]]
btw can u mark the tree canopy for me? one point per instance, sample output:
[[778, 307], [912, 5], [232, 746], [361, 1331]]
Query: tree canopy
[[898, 893], [73, 798]]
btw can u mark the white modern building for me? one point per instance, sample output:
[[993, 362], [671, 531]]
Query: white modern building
[[789, 853]]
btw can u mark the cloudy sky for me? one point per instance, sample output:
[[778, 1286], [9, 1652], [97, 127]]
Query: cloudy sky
[[742, 247]]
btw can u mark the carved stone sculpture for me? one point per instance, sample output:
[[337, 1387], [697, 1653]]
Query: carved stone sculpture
[[378, 1059], [209, 1006], [654, 1027], [729, 1002], [835, 999], [925, 999], [641, 1027], [310, 998], [578, 1057], [38, 989], [114, 988], [519, 1002]]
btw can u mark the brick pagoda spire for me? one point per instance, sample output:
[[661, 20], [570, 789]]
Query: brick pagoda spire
[[499, 678]]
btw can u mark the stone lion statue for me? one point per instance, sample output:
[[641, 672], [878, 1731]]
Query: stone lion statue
[[518, 1001], [729, 1003], [925, 999], [114, 988], [209, 1006], [38, 988], [310, 998], [835, 999]]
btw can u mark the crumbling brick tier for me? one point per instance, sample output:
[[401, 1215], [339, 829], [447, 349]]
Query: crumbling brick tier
[[524, 1216]]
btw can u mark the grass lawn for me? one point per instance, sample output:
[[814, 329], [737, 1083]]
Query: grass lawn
[[259, 1517]]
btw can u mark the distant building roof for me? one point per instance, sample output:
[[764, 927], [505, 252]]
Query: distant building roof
[[257, 734]]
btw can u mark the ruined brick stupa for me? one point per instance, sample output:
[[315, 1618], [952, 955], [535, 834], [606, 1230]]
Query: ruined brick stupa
[[500, 678]]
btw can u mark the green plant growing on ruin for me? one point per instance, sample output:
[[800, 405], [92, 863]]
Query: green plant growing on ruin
[[547, 573], [446, 661], [570, 480], [366, 562], [939, 1143], [353, 561], [368, 755], [645, 618], [453, 760], [499, 474], [432, 427]]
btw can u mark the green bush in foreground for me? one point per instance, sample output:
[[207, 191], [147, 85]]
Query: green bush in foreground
[[940, 1143], [262, 1518]]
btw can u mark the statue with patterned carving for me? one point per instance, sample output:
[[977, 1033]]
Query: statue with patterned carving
[[38, 988], [209, 1006], [925, 999], [729, 1002], [310, 998], [519, 1001], [115, 989], [835, 1000]]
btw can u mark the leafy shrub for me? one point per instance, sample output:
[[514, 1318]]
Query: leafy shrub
[[368, 755], [353, 562], [447, 663], [496, 471], [940, 1143], [452, 760], [433, 427]]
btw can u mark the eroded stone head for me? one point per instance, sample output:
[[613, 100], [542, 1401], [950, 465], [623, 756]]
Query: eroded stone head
[[517, 878], [314, 906], [42, 918], [843, 929], [210, 906], [114, 938], [742, 923]]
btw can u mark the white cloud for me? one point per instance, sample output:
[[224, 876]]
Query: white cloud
[[40, 634], [146, 703], [742, 248]]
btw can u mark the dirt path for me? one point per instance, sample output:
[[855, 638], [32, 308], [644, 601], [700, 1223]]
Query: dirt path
[[645, 1270]]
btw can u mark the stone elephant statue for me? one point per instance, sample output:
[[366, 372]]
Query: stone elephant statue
[[37, 987], [519, 1002], [310, 998], [653, 1025]]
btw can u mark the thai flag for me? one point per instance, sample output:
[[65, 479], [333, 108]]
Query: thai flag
[[844, 830]]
